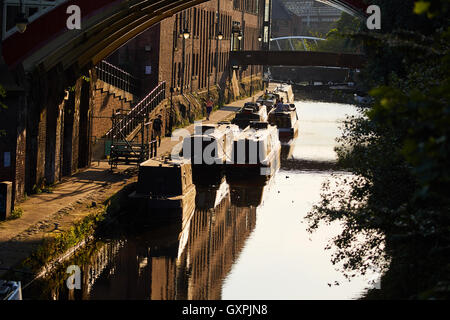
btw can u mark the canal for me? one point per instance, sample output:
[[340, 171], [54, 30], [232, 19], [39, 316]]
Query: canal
[[244, 241]]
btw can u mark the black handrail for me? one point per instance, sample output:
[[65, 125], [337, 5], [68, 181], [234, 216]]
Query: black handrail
[[117, 77], [153, 149], [134, 117]]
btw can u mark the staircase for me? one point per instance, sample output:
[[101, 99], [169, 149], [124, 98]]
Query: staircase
[[116, 77], [133, 119]]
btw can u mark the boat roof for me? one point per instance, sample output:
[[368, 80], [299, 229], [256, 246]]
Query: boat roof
[[259, 134], [269, 94], [164, 163], [251, 104], [284, 108], [214, 130], [251, 110]]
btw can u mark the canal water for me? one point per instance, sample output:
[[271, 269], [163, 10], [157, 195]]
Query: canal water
[[244, 241]]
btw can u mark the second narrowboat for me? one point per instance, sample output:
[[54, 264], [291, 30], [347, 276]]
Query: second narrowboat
[[255, 153]]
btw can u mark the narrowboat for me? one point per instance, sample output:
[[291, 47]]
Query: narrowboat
[[207, 149], [165, 191], [252, 111], [285, 91], [209, 144], [268, 99], [285, 118], [255, 153]]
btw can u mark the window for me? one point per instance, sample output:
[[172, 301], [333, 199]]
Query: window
[[194, 26], [236, 4], [267, 11], [179, 74]]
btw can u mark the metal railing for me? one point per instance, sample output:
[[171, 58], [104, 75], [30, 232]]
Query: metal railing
[[153, 146], [117, 77], [132, 119]]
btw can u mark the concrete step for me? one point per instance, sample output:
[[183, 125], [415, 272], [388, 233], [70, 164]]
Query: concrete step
[[118, 93]]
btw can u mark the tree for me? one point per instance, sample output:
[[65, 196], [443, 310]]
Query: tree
[[338, 39], [396, 208]]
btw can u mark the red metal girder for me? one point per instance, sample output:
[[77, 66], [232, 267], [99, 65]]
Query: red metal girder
[[47, 27]]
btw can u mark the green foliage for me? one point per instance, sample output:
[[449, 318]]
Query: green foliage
[[36, 190], [60, 243], [339, 39], [2, 96], [421, 7], [395, 207], [16, 213], [432, 8]]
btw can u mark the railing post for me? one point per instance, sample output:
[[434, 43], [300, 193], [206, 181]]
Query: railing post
[[127, 124]]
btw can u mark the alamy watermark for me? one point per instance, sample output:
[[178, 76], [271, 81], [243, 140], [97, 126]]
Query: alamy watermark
[[373, 22], [74, 279], [74, 20]]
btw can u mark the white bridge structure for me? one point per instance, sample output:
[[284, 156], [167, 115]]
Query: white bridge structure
[[291, 44]]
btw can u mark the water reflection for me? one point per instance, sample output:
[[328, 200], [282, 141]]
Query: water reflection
[[164, 261]]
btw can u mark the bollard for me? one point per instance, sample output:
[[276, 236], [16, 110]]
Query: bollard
[[5, 199]]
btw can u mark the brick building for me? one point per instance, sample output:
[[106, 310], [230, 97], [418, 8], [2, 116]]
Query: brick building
[[201, 61]]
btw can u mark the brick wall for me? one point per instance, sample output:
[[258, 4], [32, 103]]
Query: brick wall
[[205, 58], [41, 141], [8, 142], [104, 105]]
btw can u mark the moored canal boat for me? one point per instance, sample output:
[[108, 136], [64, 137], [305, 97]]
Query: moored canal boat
[[252, 111], [207, 149], [285, 118], [268, 99], [255, 153], [166, 190], [284, 91]]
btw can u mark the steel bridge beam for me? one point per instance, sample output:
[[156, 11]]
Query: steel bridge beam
[[297, 58]]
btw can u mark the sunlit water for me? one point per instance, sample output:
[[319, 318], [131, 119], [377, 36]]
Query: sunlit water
[[281, 260], [242, 242]]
